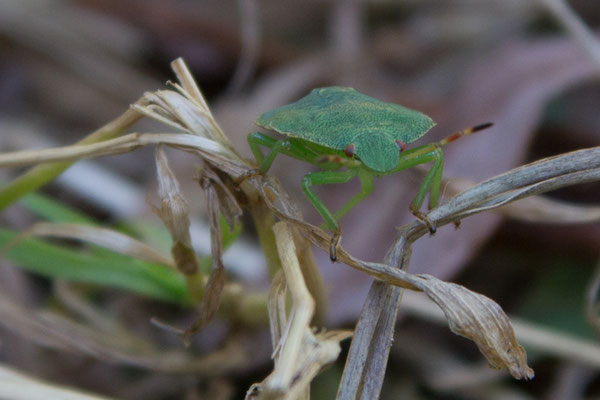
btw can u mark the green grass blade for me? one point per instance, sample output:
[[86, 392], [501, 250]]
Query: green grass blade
[[152, 280], [53, 211]]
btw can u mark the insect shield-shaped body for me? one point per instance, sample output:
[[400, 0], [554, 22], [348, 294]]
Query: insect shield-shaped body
[[336, 117], [349, 134]]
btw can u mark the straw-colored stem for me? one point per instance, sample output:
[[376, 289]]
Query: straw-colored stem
[[44, 173]]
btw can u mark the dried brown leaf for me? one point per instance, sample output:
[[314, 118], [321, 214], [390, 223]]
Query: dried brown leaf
[[214, 287], [227, 202], [480, 319], [543, 339], [174, 212]]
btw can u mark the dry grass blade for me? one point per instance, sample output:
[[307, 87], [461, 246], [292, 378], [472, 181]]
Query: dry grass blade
[[480, 319], [535, 208], [75, 303], [106, 238], [546, 185], [174, 213], [558, 171], [303, 308], [191, 89], [468, 313], [186, 110], [548, 341], [473, 315], [31, 180], [17, 386], [123, 144], [219, 199], [228, 204], [20, 320], [540, 209], [551, 173], [276, 309], [485, 323], [300, 354], [55, 331], [402, 279]]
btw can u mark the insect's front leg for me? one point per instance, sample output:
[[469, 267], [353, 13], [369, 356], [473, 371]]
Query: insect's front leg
[[289, 147]]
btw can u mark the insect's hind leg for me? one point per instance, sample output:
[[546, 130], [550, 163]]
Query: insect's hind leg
[[432, 181]]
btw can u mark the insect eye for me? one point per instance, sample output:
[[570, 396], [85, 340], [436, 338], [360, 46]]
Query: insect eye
[[349, 150], [400, 145]]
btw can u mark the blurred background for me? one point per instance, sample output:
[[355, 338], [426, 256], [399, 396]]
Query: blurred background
[[69, 67]]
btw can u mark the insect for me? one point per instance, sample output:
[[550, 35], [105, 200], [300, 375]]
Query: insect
[[348, 134]]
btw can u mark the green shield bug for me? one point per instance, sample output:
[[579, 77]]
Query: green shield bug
[[348, 134]]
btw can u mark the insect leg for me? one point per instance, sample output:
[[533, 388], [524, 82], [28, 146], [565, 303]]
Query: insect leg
[[290, 147], [322, 178], [366, 187], [257, 139], [432, 181], [436, 178]]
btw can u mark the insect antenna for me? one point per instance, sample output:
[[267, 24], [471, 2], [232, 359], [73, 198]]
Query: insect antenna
[[453, 136]]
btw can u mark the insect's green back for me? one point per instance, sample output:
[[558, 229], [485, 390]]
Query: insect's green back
[[335, 117]]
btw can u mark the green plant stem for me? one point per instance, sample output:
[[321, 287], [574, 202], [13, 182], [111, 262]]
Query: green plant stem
[[41, 174], [245, 308], [195, 284], [264, 220]]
